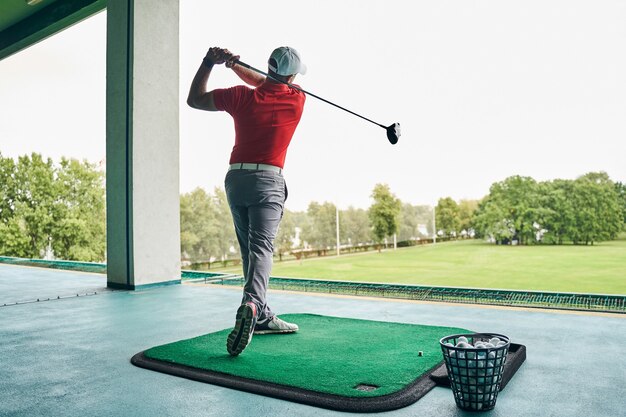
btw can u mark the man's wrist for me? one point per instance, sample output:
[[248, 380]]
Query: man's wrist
[[207, 62]]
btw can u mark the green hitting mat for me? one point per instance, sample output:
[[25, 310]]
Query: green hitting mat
[[331, 362]]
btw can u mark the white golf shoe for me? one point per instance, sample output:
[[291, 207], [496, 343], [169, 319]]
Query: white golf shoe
[[274, 325]]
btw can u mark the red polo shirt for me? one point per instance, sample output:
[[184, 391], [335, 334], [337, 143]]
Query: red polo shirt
[[265, 119]]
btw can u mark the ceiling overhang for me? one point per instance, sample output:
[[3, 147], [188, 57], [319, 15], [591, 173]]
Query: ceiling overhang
[[26, 22]]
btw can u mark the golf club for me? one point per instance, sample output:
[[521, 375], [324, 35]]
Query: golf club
[[393, 131]]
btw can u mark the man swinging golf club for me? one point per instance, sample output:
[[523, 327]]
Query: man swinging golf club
[[265, 120]]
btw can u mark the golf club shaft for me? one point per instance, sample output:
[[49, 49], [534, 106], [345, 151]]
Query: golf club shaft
[[243, 64]]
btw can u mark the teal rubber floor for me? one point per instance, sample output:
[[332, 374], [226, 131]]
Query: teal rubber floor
[[70, 357]]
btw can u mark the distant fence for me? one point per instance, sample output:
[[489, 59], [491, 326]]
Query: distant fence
[[511, 298], [298, 254], [101, 268], [316, 252], [206, 265]]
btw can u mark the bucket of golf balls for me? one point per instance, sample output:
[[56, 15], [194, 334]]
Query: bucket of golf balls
[[475, 364]]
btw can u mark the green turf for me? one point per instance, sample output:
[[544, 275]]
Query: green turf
[[328, 354], [588, 269]]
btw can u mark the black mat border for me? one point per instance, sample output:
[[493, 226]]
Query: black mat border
[[407, 396], [437, 375]]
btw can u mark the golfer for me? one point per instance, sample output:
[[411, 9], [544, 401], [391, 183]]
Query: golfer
[[265, 117]]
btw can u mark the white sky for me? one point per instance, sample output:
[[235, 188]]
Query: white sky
[[483, 90]]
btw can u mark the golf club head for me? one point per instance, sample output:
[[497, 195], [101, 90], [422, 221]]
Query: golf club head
[[393, 133]]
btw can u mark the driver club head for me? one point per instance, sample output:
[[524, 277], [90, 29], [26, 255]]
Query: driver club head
[[393, 133]]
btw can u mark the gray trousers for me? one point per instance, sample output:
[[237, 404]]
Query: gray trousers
[[256, 200]]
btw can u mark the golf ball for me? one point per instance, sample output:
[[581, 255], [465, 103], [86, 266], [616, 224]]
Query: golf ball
[[463, 344], [461, 339], [494, 341]]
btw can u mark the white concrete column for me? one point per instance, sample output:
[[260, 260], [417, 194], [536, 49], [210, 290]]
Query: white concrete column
[[143, 220]]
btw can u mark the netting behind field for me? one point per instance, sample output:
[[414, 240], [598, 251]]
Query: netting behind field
[[539, 299], [517, 298]]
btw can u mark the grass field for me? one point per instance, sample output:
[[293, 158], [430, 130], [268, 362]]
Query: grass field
[[589, 269]]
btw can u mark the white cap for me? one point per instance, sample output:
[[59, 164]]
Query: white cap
[[288, 62]]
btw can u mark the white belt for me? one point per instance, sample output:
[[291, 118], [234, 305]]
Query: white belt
[[259, 167]]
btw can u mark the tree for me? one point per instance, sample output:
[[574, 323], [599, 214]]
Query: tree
[[620, 189], [80, 226], [384, 213], [198, 226], [14, 239], [48, 207], [467, 210], [598, 214], [518, 202], [321, 229], [35, 201], [7, 188], [408, 227], [286, 234], [226, 237], [559, 212], [415, 222], [356, 226], [206, 226], [584, 211], [491, 221], [447, 217]]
